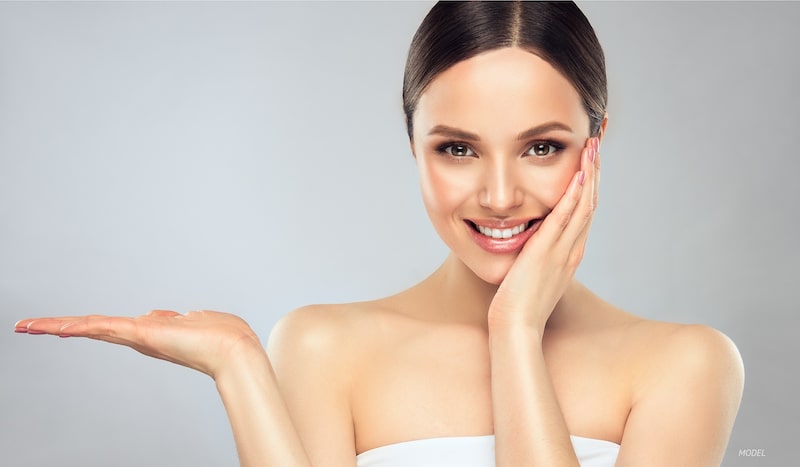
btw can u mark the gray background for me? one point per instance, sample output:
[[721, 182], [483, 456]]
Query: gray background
[[251, 157]]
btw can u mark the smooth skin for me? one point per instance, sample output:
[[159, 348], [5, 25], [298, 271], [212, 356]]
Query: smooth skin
[[509, 343]]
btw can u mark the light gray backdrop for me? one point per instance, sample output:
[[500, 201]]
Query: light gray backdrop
[[251, 157]]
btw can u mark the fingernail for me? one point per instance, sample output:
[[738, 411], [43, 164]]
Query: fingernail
[[581, 177], [64, 336], [592, 153], [21, 329], [596, 144], [31, 331]]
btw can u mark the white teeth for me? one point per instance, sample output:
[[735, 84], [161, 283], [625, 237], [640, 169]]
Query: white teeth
[[504, 233]]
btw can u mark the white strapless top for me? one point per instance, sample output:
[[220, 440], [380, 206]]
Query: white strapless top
[[472, 451]]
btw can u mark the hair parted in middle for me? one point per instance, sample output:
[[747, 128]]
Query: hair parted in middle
[[557, 32]]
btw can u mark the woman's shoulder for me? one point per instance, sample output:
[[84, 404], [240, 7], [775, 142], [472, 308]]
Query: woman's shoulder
[[696, 353], [656, 339], [685, 385], [666, 371], [654, 351], [326, 329], [677, 341]]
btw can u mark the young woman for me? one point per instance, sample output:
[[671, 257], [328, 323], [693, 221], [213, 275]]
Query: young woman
[[500, 356]]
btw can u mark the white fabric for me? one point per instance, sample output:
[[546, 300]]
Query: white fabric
[[472, 451]]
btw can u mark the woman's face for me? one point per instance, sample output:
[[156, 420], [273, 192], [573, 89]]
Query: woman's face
[[497, 139]]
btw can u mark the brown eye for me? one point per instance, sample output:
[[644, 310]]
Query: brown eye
[[458, 150], [543, 149]]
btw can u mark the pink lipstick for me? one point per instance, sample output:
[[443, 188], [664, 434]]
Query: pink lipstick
[[502, 236]]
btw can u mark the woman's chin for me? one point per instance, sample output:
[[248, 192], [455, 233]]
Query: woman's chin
[[494, 279], [492, 272]]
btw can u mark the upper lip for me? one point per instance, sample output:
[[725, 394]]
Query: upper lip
[[501, 224]]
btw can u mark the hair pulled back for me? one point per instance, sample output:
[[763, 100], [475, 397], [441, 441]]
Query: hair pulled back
[[558, 32]]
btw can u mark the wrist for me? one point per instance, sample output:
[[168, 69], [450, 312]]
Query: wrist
[[513, 325], [515, 333], [244, 358]]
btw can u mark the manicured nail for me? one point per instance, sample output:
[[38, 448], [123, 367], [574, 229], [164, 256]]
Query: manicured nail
[[581, 177], [21, 329], [64, 336], [596, 144], [592, 153], [31, 331]]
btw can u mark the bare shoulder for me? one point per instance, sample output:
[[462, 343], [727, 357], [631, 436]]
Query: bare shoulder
[[315, 331], [686, 395], [683, 349], [340, 333], [312, 350], [665, 350]]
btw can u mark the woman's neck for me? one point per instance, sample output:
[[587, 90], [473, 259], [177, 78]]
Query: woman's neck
[[458, 296]]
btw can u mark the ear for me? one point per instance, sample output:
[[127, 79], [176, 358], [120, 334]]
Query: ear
[[602, 132]]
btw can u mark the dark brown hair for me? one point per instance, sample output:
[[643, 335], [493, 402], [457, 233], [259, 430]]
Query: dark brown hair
[[558, 32]]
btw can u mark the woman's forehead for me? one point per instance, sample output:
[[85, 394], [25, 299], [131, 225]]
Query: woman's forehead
[[499, 94]]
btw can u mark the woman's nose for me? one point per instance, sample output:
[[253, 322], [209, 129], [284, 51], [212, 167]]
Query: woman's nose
[[501, 191]]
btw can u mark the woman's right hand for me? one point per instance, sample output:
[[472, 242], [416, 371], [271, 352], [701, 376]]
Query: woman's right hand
[[202, 340], [220, 345]]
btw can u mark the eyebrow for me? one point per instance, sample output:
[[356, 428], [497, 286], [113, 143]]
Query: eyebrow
[[452, 132]]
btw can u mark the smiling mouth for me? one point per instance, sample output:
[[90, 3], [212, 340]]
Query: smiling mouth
[[501, 234]]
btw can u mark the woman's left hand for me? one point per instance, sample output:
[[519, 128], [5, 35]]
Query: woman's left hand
[[549, 259]]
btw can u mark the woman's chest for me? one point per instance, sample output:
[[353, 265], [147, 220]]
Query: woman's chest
[[424, 385], [439, 384]]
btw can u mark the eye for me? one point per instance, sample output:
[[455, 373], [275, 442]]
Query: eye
[[544, 148], [456, 150]]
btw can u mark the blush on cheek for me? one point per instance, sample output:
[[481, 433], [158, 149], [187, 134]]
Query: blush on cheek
[[549, 186], [563, 185], [444, 189]]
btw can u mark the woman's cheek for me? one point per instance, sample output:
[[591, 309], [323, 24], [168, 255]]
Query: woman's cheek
[[444, 188], [549, 184]]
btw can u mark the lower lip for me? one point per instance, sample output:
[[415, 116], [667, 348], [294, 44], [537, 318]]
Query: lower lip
[[503, 245]]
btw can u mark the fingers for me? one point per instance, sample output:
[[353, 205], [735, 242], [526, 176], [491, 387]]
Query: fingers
[[93, 326], [583, 211], [111, 328], [555, 225], [44, 325], [165, 313]]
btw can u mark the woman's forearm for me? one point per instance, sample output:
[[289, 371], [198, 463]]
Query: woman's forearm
[[262, 428], [528, 424]]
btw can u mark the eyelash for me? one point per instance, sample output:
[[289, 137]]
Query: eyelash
[[442, 149]]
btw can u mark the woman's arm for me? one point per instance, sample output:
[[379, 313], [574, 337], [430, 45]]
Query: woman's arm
[[262, 427], [219, 344], [312, 350], [528, 423], [686, 401]]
